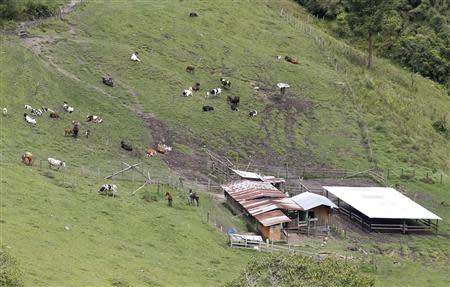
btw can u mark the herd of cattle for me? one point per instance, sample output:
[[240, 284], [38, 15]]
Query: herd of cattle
[[111, 189]]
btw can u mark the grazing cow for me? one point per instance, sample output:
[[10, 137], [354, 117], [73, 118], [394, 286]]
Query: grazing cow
[[193, 14], [150, 152], [27, 158], [87, 133], [126, 146], [187, 93], [5, 111], [135, 57], [234, 102], [54, 115], [278, 57], [55, 163], [94, 119], [108, 189], [196, 87], [190, 69], [291, 60], [28, 107], [169, 198], [68, 132], [108, 81], [214, 92], [68, 108], [253, 113], [225, 83], [29, 119], [163, 148], [39, 112], [208, 108]]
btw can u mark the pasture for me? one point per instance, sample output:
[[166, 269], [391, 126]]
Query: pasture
[[335, 113]]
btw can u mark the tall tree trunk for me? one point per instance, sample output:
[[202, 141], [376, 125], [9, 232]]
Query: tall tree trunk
[[369, 60]]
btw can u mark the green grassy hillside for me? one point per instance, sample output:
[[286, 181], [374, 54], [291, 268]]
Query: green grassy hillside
[[320, 121], [64, 236], [327, 119]]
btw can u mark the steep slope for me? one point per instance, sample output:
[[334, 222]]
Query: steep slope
[[331, 107], [336, 113], [120, 242], [64, 236]]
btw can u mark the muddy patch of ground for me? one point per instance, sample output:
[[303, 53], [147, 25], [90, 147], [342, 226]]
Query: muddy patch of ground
[[191, 166], [291, 103]]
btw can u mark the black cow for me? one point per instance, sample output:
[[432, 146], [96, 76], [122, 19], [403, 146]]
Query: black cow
[[234, 102], [193, 14], [253, 113], [196, 87], [75, 130], [208, 108], [108, 81], [126, 146]]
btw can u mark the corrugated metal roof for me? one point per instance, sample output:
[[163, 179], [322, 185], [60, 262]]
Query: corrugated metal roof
[[308, 200], [381, 202], [273, 179], [247, 174], [247, 185], [287, 203], [272, 218]]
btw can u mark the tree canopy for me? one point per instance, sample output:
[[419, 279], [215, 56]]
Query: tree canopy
[[414, 33], [289, 270]]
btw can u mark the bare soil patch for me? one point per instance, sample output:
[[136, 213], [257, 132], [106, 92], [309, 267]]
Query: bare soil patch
[[191, 166]]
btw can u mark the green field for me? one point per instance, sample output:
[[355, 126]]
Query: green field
[[332, 110]]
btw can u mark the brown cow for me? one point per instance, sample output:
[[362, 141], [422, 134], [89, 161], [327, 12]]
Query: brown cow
[[27, 158], [150, 152], [68, 132], [190, 69], [291, 60]]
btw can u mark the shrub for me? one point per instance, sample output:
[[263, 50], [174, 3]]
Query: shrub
[[10, 275], [296, 270], [37, 10], [9, 10], [441, 126]]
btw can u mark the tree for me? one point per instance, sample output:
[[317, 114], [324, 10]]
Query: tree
[[283, 270], [366, 17]]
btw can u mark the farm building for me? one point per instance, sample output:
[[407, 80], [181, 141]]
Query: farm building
[[262, 204], [382, 209], [316, 211]]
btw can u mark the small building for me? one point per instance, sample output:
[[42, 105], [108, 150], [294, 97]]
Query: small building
[[262, 205], [270, 224], [315, 206]]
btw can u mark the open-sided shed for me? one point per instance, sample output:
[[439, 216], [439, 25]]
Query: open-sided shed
[[382, 208]]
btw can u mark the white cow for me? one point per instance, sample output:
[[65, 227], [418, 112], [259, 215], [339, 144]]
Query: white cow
[[5, 111], [108, 189], [55, 163], [214, 92], [187, 93], [68, 108], [134, 57], [29, 119]]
